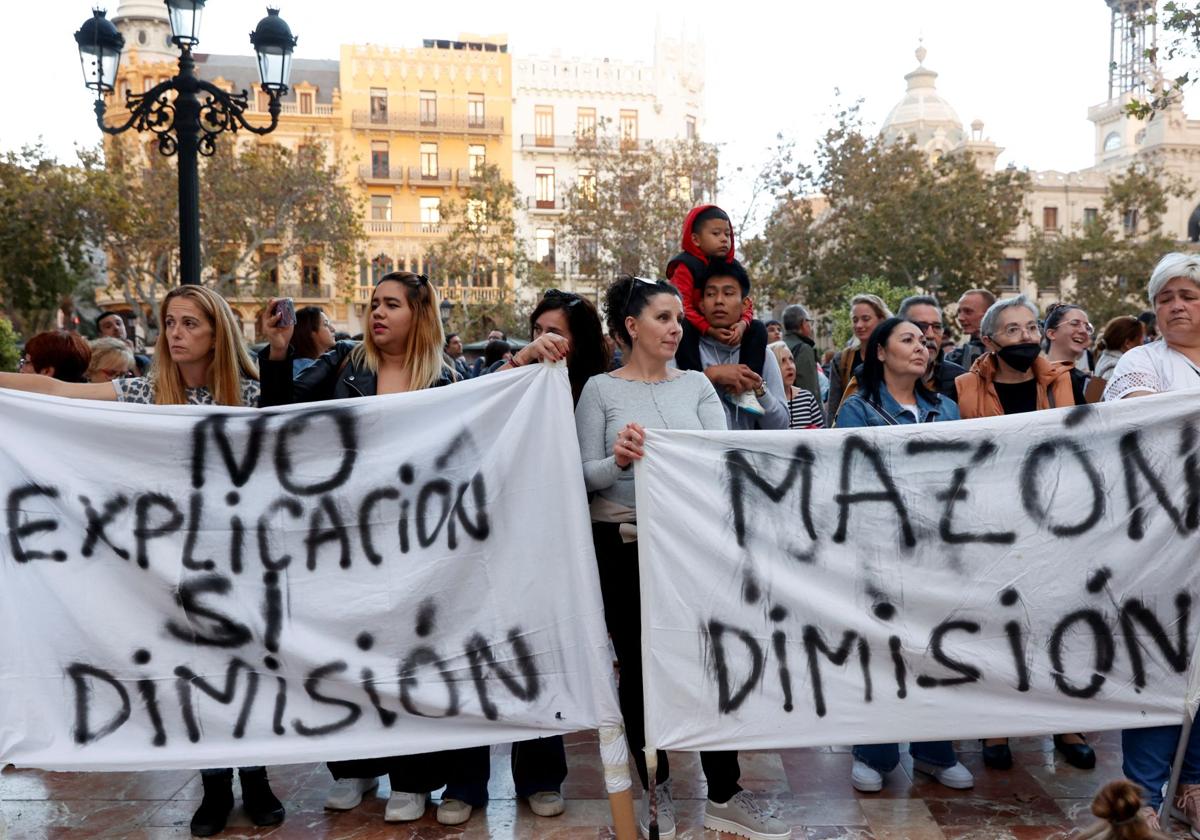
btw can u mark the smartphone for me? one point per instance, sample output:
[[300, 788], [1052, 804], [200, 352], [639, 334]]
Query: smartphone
[[285, 308]]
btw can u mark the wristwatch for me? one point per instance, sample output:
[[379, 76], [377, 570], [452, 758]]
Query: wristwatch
[[760, 391]]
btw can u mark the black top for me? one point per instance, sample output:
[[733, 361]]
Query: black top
[[1079, 381], [331, 377], [1017, 397]]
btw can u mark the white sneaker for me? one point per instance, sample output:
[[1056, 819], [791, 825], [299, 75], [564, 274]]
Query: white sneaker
[[748, 403], [746, 816], [666, 813], [347, 793], [865, 779], [405, 807], [453, 812], [547, 803], [956, 777]]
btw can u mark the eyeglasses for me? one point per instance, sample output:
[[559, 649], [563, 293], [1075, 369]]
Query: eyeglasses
[[1076, 323], [926, 326], [570, 297], [24, 360], [1017, 331], [634, 285]]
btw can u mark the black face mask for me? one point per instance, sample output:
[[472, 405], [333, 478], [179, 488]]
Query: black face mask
[[1020, 357]]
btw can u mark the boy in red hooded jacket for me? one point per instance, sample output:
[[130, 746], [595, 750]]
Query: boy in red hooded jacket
[[708, 238]]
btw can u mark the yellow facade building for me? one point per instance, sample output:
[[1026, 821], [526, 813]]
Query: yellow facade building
[[411, 127], [421, 122]]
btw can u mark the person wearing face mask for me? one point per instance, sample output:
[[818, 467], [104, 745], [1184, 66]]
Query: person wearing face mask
[[1013, 377]]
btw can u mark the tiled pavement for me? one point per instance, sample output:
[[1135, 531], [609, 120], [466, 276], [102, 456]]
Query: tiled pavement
[[1039, 799]]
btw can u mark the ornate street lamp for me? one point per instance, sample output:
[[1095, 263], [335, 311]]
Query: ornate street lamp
[[445, 307], [188, 123]]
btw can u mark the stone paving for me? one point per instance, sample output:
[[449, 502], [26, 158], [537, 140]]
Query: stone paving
[[1039, 799]]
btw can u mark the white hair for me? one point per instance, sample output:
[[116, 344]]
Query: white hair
[[987, 325], [1171, 266]]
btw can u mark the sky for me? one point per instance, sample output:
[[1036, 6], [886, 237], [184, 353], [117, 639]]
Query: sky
[[1028, 68]]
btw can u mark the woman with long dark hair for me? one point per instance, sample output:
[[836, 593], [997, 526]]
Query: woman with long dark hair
[[612, 416], [312, 338], [565, 325], [892, 392]]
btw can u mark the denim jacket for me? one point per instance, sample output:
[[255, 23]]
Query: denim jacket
[[856, 411]]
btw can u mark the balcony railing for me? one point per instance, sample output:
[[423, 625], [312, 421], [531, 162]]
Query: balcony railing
[[381, 174], [319, 109], [412, 121], [307, 291], [464, 177], [406, 228], [560, 142], [543, 205], [441, 178]]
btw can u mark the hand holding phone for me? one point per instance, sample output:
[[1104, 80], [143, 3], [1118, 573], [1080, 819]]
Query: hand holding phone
[[285, 308]]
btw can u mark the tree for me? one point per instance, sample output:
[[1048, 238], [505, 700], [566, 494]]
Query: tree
[[1181, 21], [625, 211], [44, 234], [872, 208], [1111, 257], [8, 346], [261, 207], [481, 249]]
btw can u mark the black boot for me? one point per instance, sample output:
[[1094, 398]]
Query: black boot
[[261, 805], [213, 813]]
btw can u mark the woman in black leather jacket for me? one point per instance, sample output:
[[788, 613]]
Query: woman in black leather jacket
[[401, 351]]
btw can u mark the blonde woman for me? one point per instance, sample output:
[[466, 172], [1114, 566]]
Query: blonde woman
[[111, 359], [401, 351], [199, 359], [866, 313]]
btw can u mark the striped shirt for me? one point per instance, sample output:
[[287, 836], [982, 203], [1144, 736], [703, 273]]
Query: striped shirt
[[804, 411]]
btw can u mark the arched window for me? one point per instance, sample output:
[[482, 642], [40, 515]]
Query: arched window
[[380, 265], [1112, 142]]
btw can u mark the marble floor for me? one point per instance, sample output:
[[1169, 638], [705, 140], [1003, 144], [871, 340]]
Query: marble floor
[[1039, 799]]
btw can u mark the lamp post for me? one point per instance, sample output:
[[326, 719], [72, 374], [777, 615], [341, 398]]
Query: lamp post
[[188, 124], [445, 307]]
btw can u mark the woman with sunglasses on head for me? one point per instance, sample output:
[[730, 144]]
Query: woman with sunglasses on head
[[1068, 339], [200, 359], [562, 326], [401, 351], [111, 359], [612, 416]]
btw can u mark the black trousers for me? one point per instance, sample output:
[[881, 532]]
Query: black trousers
[[619, 583], [420, 773], [537, 765]]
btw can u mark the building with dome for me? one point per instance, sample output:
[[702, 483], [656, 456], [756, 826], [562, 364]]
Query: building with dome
[[1061, 202]]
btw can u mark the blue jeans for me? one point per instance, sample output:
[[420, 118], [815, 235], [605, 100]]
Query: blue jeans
[[883, 758], [1148, 754]]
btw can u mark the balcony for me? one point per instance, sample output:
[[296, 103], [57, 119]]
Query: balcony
[[468, 295], [440, 124], [307, 291], [318, 110], [542, 205], [550, 143], [371, 174], [441, 178], [405, 228], [464, 178]]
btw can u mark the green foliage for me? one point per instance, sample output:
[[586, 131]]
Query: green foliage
[[839, 315], [871, 208], [1111, 259], [626, 217], [9, 355], [1180, 23], [44, 233], [261, 207]]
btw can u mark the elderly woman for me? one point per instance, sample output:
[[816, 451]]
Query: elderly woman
[[866, 312], [1013, 377], [1172, 364], [111, 359]]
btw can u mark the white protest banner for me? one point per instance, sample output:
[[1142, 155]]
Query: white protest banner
[[206, 587], [1020, 575]]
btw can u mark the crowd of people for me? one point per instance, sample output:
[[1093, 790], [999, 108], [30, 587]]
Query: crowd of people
[[685, 352]]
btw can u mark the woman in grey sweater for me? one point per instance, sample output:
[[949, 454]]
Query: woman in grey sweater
[[612, 416]]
